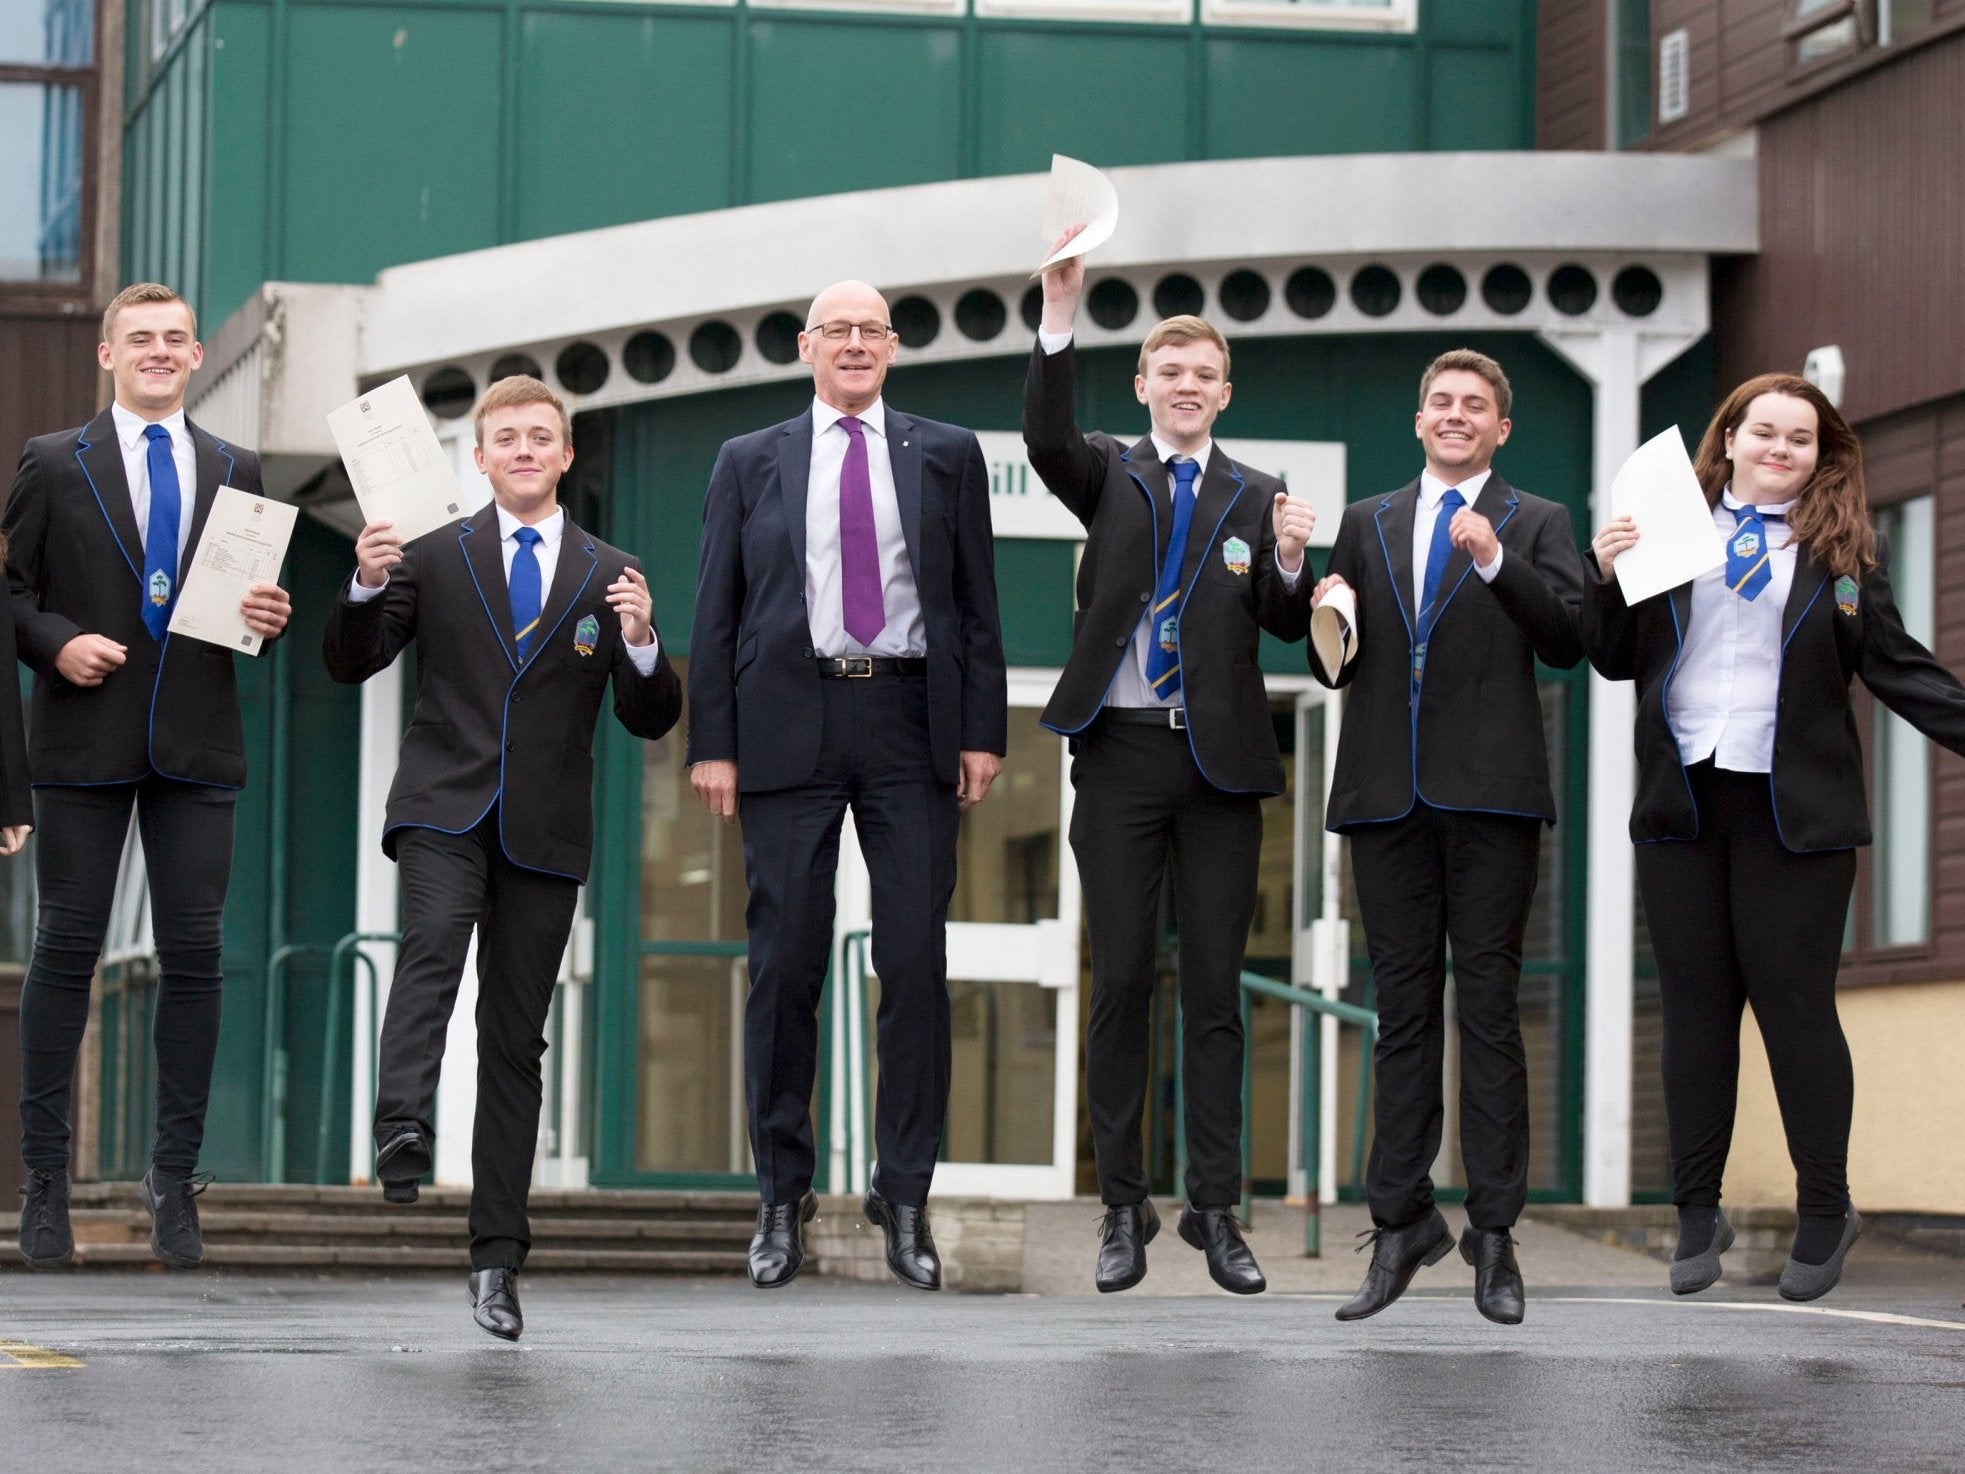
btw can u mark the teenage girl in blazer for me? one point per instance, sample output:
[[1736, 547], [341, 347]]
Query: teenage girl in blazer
[[1751, 799]]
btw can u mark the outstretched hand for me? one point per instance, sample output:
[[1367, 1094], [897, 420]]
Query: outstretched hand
[[1064, 285]]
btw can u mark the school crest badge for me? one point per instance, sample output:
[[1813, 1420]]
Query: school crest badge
[[1170, 634], [586, 635], [160, 588], [1847, 597], [1746, 545], [1235, 555]]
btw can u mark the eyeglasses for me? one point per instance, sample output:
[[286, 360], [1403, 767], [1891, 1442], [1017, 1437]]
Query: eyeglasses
[[838, 330]]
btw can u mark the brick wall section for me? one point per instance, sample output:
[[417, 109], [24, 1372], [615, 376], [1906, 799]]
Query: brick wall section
[[1570, 87], [1741, 66]]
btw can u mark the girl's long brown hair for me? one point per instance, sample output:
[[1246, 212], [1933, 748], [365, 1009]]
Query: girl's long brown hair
[[1831, 515]]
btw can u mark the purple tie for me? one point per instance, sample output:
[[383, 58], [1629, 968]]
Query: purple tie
[[859, 545]]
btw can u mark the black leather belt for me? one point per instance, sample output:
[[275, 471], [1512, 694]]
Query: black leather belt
[[859, 667], [1174, 717]]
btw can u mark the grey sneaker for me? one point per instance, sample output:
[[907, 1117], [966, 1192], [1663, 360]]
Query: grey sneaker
[[46, 1241], [1812, 1281], [175, 1237], [1701, 1271]]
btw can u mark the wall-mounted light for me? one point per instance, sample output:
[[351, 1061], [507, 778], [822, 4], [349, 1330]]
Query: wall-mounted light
[[1824, 369]]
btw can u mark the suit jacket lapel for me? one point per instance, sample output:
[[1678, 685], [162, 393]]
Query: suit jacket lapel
[[904, 458], [1395, 518], [1809, 576], [1150, 475], [571, 571], [1218, 491], [215, 465], [794, 474], [101, 457], [486, 561]]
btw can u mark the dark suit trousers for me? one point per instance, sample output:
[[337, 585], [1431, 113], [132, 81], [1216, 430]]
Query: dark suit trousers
[[1435, 877], [873, 757], [453, 884], [1140, 801], [1737, 918], [187, 847]]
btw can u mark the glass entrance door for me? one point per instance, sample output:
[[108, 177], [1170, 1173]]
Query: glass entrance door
[[1013, 983]]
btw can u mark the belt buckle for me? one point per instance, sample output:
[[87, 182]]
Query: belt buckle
[[856, 667], [1177, 718]]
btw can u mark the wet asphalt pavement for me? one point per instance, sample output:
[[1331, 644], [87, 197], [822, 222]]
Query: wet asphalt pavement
[[220, 1372]]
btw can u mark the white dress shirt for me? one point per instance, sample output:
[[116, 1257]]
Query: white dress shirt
[[546, 554], [1722, 699], [1130, 687], [906, 632], [1427, 513], [136, 470]]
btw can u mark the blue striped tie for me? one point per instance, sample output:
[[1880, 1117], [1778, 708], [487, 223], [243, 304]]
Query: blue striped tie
[[1163, 649], [1747, 566], [160, 536], [525, 589]]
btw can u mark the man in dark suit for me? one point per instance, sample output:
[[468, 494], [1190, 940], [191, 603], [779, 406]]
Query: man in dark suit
[[1442, 785], [1188, 557], [100, 530], [846, 653], [521, 621]]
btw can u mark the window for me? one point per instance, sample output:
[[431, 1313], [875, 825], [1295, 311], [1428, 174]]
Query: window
[[1900, 757], [47, 54], [1898, 21], [1821, 30], [1371, 15], [1632, 80], [1176, 11]]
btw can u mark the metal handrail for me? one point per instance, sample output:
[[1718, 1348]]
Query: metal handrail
[[273, 1059], [342, 950], [1311, 1102]]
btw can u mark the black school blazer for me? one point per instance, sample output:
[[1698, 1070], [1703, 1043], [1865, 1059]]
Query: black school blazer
[[1832, 630]]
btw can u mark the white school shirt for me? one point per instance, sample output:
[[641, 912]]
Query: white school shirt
[[1722, 699]]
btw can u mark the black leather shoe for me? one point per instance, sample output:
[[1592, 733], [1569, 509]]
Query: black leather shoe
[[778, 1246], [401, 1164], [910, 1246], [46, 1241], [1498, 1292], [1397, 1254], [1215, 1233], [175, 1237], [495, 1302], [1124, 1233]]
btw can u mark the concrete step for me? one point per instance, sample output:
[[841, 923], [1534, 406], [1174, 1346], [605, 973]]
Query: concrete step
[[350, 1228], [220, 1255]]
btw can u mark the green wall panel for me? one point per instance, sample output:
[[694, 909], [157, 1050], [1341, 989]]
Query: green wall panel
[[1110, 99], [1472, 100], [1268, 97], [623, 117], [392, 152], [235, 258], [839, 107]]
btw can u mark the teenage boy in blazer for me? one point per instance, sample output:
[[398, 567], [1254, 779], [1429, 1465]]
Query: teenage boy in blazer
[[522, 621], [1188, 557], [100, 530], [846, 652], [1442, 785]]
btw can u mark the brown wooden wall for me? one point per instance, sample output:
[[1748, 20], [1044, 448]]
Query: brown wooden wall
[[1571, 51], [1862, 238], [1914, 454], [48, 377], [1740, 64]]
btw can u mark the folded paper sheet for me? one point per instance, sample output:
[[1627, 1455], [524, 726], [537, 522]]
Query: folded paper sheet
[[244, 543], [395, 463], [1334, 630], [1080, 195], [1676, 538]]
